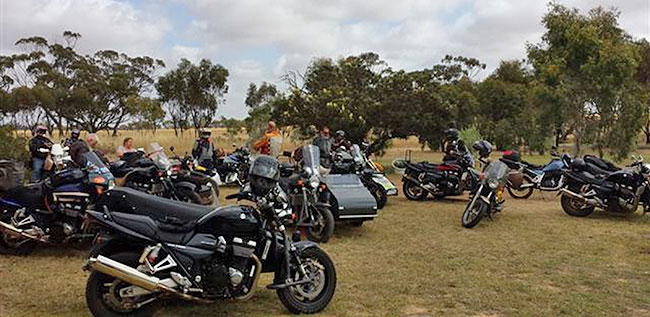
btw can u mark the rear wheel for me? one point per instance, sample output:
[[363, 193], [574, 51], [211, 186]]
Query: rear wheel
[[474, 212], [103, 293], [413, 192], [322, 227], [575, 207], [314, 296], [521, 193]]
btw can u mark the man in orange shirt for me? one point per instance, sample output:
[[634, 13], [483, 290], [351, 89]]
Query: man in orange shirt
[[271, 141]]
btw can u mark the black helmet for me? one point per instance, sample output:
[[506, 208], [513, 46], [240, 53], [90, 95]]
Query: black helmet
[[578, 164], [75, 134], [264, 174], [484, 148], [452, 134]]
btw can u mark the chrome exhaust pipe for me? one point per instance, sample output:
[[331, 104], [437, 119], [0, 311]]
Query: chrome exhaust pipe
[[134, 277], [256, 277], [582, 199], [20, 232]]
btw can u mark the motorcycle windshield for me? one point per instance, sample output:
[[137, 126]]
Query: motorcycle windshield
[[97, 168], [311, 157], [496, 170], [158, 156], [356, 154]]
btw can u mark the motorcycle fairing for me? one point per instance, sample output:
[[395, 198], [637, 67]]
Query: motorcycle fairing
[[385, 183]]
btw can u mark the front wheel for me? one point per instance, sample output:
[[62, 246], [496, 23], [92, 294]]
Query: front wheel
[[380, 195], [474, 212], [413, 192], [322, 226], [103, 295], [314, 296]]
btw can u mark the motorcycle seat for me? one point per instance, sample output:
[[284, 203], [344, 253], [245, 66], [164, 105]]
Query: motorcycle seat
[[596, 169], [128, 200], [30, 196], [148, 227], [423, 167]]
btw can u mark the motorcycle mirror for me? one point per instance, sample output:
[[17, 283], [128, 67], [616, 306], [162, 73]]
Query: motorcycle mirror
[[234, 145], [286, 153], [172, 148]]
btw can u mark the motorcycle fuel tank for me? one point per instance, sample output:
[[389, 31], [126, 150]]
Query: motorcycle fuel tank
[[623, 177], [236, 220]]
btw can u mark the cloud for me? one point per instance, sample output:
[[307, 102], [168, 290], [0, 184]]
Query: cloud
[[260, 40]]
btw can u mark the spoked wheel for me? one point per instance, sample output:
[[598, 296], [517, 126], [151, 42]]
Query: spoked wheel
[[314, 296], [413, 192], [521, 193], [380, 195], [474, 212], [323, 225], [104, 293]]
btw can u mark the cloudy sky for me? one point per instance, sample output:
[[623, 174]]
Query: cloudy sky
[[261, 40]]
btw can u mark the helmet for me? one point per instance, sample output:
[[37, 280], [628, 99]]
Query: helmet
[[264, 174], [452, 134], [75, 134], [41, 129], [206, 132], [484, 148], [578, 164], [340, 133]]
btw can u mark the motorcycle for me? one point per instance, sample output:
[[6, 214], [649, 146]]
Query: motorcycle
[[589, 187], [309, 195], [157, 175], [452, 177], [488, 197], [229, 170], [52, 211], [201, 254], [529, 177]]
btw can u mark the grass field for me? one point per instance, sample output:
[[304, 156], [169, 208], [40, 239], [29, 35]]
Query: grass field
[[415, 259]]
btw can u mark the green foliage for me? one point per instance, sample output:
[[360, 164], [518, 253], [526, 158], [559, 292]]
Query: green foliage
[[470, 135], [147, 112], [261, 101], [192, 93], [12, 146], [233, 127], [589, 64]]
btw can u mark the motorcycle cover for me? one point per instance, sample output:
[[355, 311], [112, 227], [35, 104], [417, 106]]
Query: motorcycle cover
[[354, 201]]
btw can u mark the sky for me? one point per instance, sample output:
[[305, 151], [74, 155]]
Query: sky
[[262, 40]]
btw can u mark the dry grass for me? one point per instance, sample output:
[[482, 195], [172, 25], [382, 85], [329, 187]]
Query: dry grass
[[415, 260]]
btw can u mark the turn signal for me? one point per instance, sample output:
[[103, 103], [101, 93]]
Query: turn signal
[[99, 180]]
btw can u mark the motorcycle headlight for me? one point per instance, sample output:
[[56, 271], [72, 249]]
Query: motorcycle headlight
[[169, 173], [646, 168], [314, 182], [493, 183]]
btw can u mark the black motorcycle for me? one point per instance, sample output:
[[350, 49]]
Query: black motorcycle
[[488, 197], [52, 211], [592, 183], [452, 177], [231, 169], [200, 254], [309, 195], [157, 175]]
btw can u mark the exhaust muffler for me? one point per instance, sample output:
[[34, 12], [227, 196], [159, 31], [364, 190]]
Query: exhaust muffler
[[134, 277], [20, 232], [582, 199]]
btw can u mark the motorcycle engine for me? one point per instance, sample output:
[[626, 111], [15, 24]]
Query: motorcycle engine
[[226, 280]]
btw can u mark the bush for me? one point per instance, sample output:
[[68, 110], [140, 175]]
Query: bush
[[12, 146]]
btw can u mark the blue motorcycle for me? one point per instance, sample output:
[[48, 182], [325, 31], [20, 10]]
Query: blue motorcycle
[[526, 177], [52, 211]]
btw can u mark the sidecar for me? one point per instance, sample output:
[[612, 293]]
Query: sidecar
[[350, 200]]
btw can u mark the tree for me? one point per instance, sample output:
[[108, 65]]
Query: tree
[[193, 92], [233, 127], [147, 112], [589, 63], [260, 102]]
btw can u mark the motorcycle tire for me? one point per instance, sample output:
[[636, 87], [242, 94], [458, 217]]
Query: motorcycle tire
[[291, 296], [571, 206], [96, 289], [323, 233], [478, 209], [380, 195], [521, 193], [413, 192]]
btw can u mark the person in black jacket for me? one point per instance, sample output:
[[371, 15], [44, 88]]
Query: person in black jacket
[[38, 142]]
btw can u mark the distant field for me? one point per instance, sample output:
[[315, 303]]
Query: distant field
[[415, 259]]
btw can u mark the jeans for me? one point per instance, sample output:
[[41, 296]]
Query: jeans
[[37, 169]]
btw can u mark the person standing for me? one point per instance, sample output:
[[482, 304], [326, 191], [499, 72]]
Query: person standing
[[78, 149], [126, 147], [204, 151], [324, 143], [271, 141], [341, 141], [74, 137], [38, 142]]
